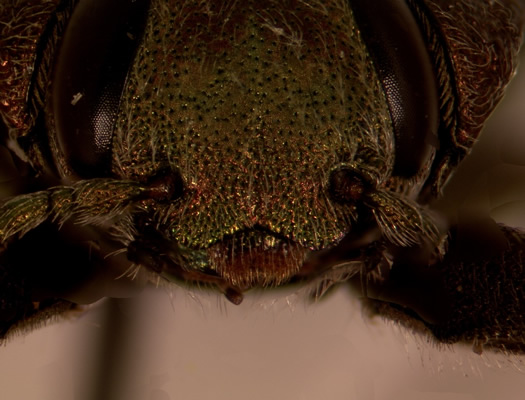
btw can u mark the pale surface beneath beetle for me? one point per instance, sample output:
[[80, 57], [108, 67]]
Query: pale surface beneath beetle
[[187, 349]]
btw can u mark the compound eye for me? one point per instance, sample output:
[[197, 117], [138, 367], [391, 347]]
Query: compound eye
[[96, 53], [396, 45]]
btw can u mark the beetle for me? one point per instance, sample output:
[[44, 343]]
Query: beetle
[[255, 145]]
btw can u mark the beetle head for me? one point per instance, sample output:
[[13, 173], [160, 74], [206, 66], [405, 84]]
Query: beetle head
[[276, 126]]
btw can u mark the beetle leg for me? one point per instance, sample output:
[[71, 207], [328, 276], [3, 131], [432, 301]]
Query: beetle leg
[[475, 293], [50, 269]]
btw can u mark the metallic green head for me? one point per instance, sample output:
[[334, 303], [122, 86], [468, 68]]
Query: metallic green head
[[255, 105]]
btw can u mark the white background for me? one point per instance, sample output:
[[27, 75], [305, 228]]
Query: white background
[[182, 345]]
